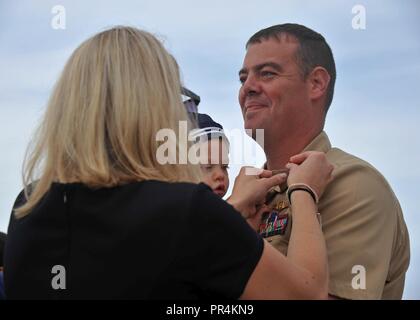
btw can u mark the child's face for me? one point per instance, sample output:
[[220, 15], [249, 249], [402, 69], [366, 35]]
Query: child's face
[[215, 167]]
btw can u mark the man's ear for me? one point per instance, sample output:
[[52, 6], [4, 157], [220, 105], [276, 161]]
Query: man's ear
[[318, 81]]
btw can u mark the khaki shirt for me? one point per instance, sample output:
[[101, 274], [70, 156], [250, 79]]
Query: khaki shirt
[[366, 236]]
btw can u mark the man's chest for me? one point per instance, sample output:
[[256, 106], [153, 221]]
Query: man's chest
[[276, 223]]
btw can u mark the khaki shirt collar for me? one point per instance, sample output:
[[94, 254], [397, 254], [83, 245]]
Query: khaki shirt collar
[[320, 143]]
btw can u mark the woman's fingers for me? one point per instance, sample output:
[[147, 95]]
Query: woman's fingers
[[299, 158], [265, 174], [274, 181], [290, 166]]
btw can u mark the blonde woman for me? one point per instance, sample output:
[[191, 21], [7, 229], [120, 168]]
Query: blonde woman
[[100, 217]]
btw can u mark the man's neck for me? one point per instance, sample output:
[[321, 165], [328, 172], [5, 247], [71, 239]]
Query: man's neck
[[278, 151]]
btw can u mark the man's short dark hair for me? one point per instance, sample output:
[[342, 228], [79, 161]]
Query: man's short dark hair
[[313, 51]]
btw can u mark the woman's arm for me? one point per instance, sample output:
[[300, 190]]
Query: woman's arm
[[303, 274]]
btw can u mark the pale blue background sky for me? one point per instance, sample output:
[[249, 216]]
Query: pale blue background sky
[[376, 109]]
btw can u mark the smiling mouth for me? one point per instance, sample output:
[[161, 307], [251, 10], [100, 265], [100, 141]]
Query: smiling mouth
[[254, 107]]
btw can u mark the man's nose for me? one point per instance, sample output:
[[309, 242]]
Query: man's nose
[[250, 87]]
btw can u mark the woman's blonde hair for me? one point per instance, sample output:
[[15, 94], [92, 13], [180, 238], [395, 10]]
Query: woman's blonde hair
[[116, 91]]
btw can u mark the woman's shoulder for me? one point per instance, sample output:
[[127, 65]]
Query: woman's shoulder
[[148, 195], [162, 189], [186, 198], [180, 187], [174, 192]]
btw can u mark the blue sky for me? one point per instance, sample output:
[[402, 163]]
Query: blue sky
[[374, 115]]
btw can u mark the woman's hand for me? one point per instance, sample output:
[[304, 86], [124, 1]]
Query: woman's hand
[[249, 190], [311, 168]]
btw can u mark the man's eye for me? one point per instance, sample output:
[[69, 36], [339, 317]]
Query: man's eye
[[225, 167], [267, 74], [242, 80]]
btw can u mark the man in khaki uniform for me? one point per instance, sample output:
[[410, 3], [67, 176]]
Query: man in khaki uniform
[[288, 78]]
